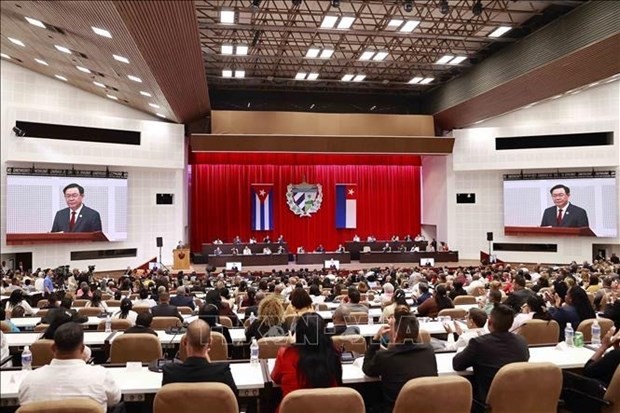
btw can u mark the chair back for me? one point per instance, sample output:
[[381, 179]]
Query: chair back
[[335, 399], [189, 397], [135, 347], [142, 309], [512, 389], [76, 405], [226, 321], [464, 299], [454, 313], [613, 394], [42, 353], [106, 296], [585, 327], [357, 317], [217, 352], [162, 323], [268, 346], [428, 395], [39, 328], [184, 310], [79, 302], [90, 311], [540, 332], [117, 324], [353, 342], [42, 303], [113, 303]]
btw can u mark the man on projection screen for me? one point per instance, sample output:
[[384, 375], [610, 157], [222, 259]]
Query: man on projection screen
[[563, 213], [77, 217]]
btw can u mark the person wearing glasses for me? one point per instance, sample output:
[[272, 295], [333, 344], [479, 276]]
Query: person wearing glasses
[[77, 217], [563, 213]]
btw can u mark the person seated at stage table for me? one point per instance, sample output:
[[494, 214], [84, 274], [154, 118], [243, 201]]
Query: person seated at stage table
[[267, 239], [340, 249], [252, 240], [281, 250], [217, 241], [404, 359], [387, 247], [419, 237], [490, 352], [234, 251], [443, 247], [371, 238], [267, 251], [320, 248], [270, 320], [395, 238], [197, 367], [414, 248], [301, 250], [408, 238], [247, 250], [352, 301], [281, 239], [217, 251], [339, 321], [301, 302], [237, 240], [68, 376], [402, 248], [476, 319], [309, 363], [432, 306], [356, 238]]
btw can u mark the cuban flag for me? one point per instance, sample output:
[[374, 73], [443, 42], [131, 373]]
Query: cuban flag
[[346, 205], [262, 207]]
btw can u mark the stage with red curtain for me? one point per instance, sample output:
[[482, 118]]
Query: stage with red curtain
[[388, 196]]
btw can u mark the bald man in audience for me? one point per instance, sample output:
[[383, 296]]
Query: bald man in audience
[[198, 368]]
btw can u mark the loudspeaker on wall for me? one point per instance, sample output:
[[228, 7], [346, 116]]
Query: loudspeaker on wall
[[160, 242], [489, 236]]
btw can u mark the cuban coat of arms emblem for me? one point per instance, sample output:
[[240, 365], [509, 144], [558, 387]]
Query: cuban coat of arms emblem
[[304, 199]]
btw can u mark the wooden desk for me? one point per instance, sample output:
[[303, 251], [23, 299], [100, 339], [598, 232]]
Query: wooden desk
[[249, 260], [207, 249], [414, 257], [321, 257], [355, 248]]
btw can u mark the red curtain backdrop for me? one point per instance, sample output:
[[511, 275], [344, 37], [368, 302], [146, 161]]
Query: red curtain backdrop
[[388, 196]]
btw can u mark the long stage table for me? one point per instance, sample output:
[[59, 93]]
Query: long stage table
[[355, 248], [209, 248], [247, 260], [321, 257], [376, 257]]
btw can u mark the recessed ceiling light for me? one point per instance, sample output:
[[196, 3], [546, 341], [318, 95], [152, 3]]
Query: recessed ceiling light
[[82, 69], [35, 22], [101, 32], [227, 49], [98, 84], [329, 22], [367, 55], [327, 53], [359, 78], [409, 26], [500, 31], [17, 42], [227, 16], [154, 105], [347, 78], [380, 56], [62, 49], [415, 80], [120, 58], [395, 23], [134, 78], [226, 73], [41, 62], [346, 22], [445, 59], [457, 60], [242, 50], [313, 76], [239, 74], [5, 56], [300, 76], [64, 79], [161, 115], [112, 97], [427, 80], [313, 52], [147, 94]]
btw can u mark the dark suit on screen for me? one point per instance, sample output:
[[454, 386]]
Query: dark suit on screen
[[87, 221], [573, 217]]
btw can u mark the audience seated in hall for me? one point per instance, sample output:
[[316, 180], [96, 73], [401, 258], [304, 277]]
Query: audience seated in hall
[[270, 320], [352, 301], [439, 301], [143, 325]]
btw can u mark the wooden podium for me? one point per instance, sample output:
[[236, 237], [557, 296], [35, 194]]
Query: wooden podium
[[54, 237], [564, 231], [180, 259]]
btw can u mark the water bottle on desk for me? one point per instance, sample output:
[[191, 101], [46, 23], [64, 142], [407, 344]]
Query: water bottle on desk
[[254, 351], [26, 359], [569, 335], [596, 333], [108, 324]]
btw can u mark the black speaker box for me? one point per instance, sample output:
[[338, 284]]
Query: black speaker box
[[489, 236], [160, 242]]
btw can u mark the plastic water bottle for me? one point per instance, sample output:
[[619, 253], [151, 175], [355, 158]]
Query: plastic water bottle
[[108, 324], [596, 333], [252, 317], [569, 335], [371, 320], [254, 351], [26, 359]]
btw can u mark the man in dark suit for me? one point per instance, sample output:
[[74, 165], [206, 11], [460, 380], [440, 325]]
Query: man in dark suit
[[490, 352], [182, 299], [519, 295], [77, 217], [563, 213], [198, 367], [164, 309], [143, 325]]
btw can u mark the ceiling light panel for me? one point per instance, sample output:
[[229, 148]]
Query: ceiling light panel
[[153, 105], [500, 31], [227, 49], [5, 56], [313, 76], [367, 55], [347, 78], [147, 94], [359, 78], [83, 69], [329, 22], [445, 59], [101, 32], [227, 73], [134, 78], [416, 80], [380, 56], [313, 52], [300, 76], [98, 84], [112, 97], [242, 50], [41, 62], [457, 60], [409, 26], [35, 22], [395, 23], [239, 74], [427, 80], [326, 53], [64, 79], [120, 58], [227, 16], [346, 22], [17, 42]]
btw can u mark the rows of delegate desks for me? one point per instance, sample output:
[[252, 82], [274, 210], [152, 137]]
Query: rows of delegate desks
[[413, 257], [356, 248]]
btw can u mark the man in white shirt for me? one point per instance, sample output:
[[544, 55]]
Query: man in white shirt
[[476, 320], [247, 251], [68, 376], [38, 283]]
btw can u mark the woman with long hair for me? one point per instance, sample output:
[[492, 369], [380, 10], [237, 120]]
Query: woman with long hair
[[301, 302], [97, 302], [311, 361], [17, 299], [126, 312], [533, 309], [439, 301], [270, 321], [576, 308]]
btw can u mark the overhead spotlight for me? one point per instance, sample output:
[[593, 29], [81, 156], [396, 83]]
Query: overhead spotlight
[[256, 3], [444, 7], [477, 9], [296, 3], [408, 6], [335, 3], [19, 132]]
